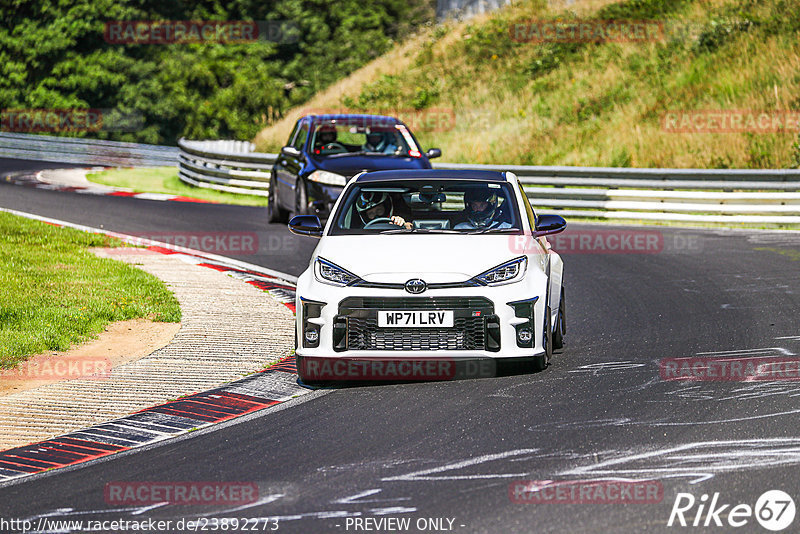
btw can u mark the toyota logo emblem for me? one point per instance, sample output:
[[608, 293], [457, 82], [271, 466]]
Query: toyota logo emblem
[[416, 286]]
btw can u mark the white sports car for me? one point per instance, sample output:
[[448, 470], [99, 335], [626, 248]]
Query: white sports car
[[418, 269]]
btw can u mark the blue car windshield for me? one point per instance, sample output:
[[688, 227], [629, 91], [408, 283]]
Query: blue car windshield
[[368, 136], [426, 206]]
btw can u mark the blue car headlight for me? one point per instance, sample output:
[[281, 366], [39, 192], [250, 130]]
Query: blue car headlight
[[328, 178], [505, 272], [330, 273]]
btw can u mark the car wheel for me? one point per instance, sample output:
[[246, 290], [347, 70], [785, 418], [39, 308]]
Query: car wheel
[[541, 361], [274, 212], [561, 323], [300, 198]]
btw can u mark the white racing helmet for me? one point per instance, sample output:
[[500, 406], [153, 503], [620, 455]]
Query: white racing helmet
[[369, 199]]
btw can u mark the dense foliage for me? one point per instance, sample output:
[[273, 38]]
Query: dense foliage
[[53, 55]]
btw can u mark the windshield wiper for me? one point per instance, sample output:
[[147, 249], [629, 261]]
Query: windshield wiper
[[340, 154], [402, 229], [493, 230], [358, 153], [421, 230]]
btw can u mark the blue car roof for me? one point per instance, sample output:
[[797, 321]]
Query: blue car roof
[[352, 117], [432, 174]]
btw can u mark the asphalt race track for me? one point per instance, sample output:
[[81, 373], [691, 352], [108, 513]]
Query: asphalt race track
[[448, 451], [162, 221]]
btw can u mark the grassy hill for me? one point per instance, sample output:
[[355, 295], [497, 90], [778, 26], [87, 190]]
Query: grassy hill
[[588, 103]]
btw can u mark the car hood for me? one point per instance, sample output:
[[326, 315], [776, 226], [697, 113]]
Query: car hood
[[435, 258], [352, 165]]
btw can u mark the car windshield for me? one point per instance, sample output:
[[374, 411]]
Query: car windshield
[[426, 206], [367, 136]]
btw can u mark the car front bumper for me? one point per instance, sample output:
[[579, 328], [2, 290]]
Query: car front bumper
[[488, 322]]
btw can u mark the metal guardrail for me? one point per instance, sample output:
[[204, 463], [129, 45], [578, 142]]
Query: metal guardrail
[[85, 151], [691, 195], [465, 9], [230, 166]]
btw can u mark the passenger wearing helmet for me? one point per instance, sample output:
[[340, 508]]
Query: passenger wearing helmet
[[376, 141], [481, 208], [372, 205]]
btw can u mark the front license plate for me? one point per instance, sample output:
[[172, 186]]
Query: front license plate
[[415, 319]]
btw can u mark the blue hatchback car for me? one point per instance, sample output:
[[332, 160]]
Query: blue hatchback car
[[324, 151]]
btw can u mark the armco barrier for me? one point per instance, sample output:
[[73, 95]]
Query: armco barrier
[[230, 166], [85, 151], [692, 195]]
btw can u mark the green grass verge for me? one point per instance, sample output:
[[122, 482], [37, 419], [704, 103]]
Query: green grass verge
[[54, 292], [165, 180]]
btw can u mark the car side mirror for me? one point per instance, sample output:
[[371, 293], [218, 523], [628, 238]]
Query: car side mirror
[[306, 225], [434, 153], [290, 151], [549, 224]]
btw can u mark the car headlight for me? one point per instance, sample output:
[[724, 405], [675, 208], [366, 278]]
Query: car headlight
[[505, 272], [330, 273], [328, 178]]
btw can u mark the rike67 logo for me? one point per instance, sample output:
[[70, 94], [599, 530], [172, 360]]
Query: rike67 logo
[[774, 510]]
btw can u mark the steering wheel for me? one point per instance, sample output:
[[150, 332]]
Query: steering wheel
[[379, 220], [334, 146]]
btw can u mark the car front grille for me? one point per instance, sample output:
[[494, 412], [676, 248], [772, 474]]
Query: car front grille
[[362, 331]]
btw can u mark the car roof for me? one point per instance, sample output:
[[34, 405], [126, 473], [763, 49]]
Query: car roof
[[433, 174], [352, 117]]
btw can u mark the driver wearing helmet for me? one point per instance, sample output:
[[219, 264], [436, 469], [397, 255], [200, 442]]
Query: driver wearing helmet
[[326, 136], [374, 205], [481, 209]]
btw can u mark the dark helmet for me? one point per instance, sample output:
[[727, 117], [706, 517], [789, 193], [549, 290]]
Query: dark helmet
[[480, 194], [369, 199], [374, 138], [326, 134]]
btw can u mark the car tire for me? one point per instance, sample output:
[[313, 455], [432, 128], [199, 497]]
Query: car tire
[[541, 361], [561, 323], [275, 214], [300, 199]]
